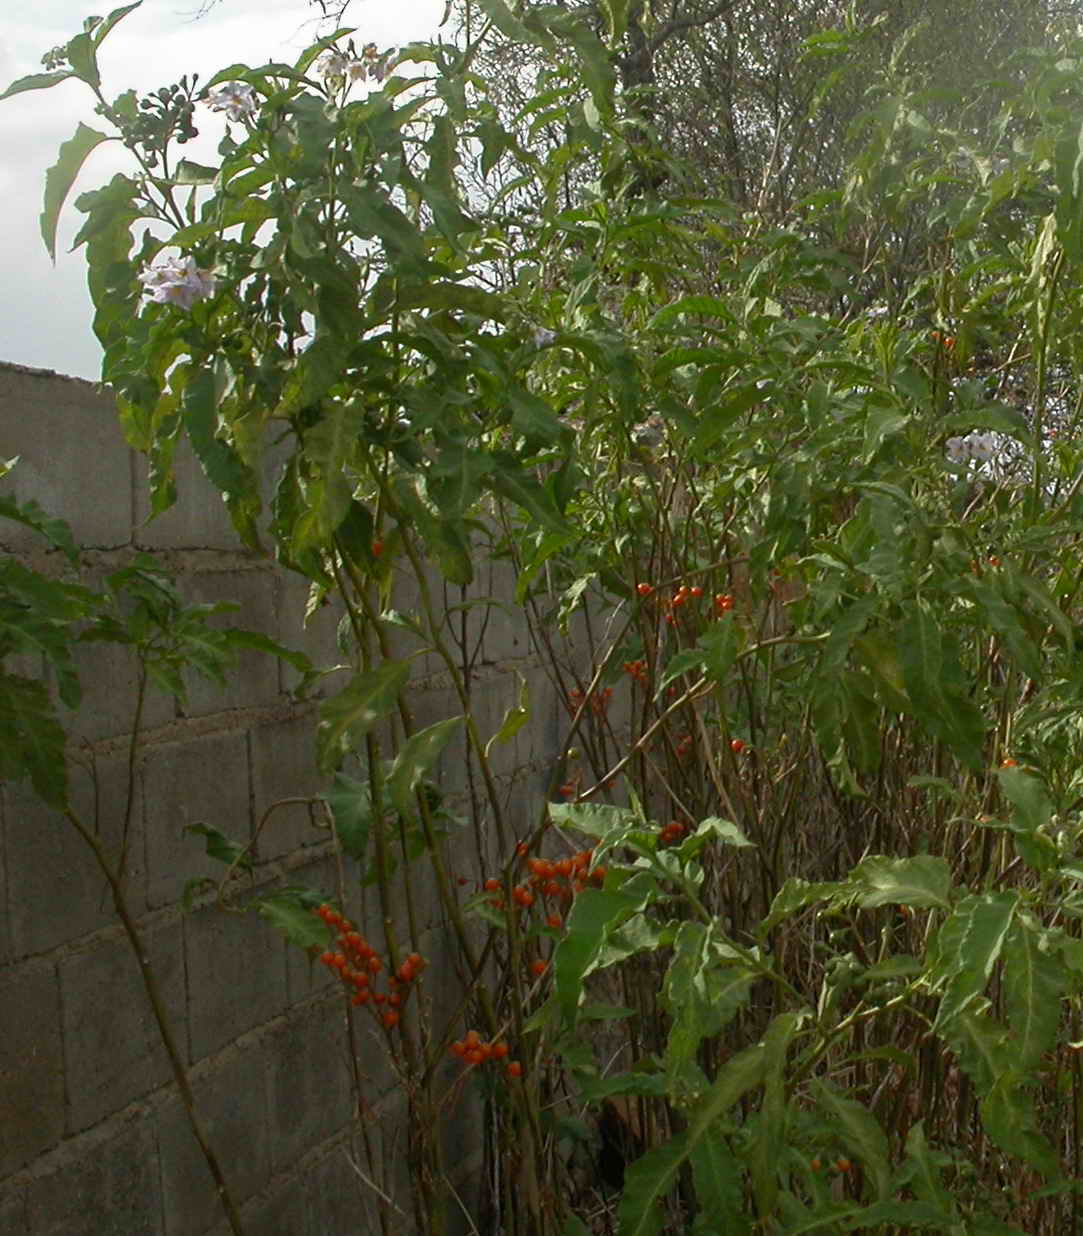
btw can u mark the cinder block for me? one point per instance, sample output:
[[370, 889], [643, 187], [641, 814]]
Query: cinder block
[[56, 889], [337, 1199], [199, 519], [112, 1046], [284, 766], [506, 635], [7, 948], [109, 676], [13, 1209], [283, 1213], [230, 1098], [63, 428], [309, 1080], [108, 1187], [31, 1066], [253, 679], [201, 781], [236, 976], [317, 638]]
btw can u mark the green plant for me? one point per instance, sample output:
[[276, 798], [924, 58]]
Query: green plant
[[793, 515]]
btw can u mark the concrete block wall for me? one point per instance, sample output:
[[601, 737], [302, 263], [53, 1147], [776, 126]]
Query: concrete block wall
[[92, 1135]]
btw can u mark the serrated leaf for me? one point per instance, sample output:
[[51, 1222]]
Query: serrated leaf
[[290, 910], [968, 946], [924, 880], [594, 913], [1033, 982], [351, 806], [62, 175], [860, 1133], [349, 715], [416, 756]]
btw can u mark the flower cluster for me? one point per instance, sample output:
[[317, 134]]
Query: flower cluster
[[371, 65], [177, 281], [236, 99], [976, 447]]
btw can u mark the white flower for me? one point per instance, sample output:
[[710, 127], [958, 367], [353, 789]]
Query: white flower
[[236, 99], [543, 338], [979, 447], [177, 281], [333, 64]]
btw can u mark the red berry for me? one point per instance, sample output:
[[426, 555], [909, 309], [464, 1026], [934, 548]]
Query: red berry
[[391, 1018], [736, 745], [377, 548], [644, 590], [539, 967], [514, 1068]]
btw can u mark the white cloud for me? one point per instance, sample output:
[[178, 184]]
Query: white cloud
[[45, 313]]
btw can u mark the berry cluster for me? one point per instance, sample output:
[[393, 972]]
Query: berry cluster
[[558, 880], [474, 1050], [359, 967], [672, 833], [597, 702], [638, 670]]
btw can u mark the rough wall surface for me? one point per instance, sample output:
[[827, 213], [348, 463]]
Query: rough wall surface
[[92, 1136]]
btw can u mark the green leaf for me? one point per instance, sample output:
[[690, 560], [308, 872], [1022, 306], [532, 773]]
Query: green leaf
[[718, 1181], [223, 467], [348, 716], [290, 910], [220, 847], [416, 756], [102, 28], [56, 531], [796, 895], [61, 176], [650, 1178], [31, 739], [1033, 982], [351, 806], [594, 913], [36, 81], [770, 1131], [860, 1133], [969, 944], [925, 1180], [924, 880], [514, 719]]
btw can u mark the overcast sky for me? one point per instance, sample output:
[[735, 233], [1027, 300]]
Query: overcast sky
[[45, 310]]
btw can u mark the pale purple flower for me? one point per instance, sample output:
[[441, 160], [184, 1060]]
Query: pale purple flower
[[334, 64], [236, 99], [177, 281], [975, 447]]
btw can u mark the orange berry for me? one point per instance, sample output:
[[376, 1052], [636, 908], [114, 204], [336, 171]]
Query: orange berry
[[472, 1038], [644, 590], [554, 921], [737, 745], [539, 967], [361, 997], [391, 1018], [475, 1056], [522, 849], [375, 965], [458, 1049], [843, 1165], [514, 1068], [498, 1051], [1009, 763], [492, 886], [816, 1164]]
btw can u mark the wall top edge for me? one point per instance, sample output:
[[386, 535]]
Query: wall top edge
[[32, 371]]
